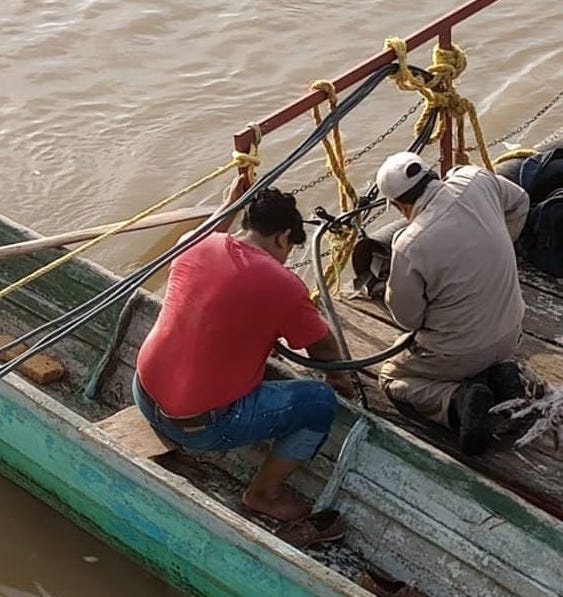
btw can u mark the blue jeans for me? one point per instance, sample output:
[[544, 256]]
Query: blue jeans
[[296, 414]]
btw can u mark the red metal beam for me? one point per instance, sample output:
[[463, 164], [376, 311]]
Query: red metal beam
[[445, 41], [438, 28]]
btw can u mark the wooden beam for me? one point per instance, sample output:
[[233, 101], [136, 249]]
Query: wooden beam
[[132, 430], [187, 214]]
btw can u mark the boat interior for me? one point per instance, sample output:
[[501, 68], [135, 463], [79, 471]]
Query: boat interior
[[99, 358]]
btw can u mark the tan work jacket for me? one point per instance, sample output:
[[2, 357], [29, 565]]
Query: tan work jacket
[[453, 269]]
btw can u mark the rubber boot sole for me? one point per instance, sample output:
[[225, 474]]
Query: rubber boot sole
[[475, 425]]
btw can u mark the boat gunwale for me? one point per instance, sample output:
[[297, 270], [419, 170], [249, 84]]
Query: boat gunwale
[[180, 493]]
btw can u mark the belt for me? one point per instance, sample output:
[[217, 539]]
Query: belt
[[195, 423]]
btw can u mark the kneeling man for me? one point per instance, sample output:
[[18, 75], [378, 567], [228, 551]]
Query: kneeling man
[[453, 279]]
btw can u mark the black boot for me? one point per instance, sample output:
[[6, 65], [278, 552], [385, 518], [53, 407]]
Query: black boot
[[469, 411], [505, 381]]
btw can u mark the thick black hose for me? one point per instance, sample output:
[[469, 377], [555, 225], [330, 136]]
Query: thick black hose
[[349, 364], [331, 311], [346, 365]]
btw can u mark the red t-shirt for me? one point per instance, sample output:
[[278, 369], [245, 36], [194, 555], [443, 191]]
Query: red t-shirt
[[226, 304]]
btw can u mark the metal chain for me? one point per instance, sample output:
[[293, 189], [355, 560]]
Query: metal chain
[[359, 154], [526, 124], [389, 131], [375, 215], [305, 262], [365, 224]]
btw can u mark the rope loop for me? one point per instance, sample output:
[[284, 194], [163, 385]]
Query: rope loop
[[342, 241], [440, 93], [257, 132]]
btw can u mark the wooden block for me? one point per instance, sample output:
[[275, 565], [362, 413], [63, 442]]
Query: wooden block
[[39, 368], [130, 428]]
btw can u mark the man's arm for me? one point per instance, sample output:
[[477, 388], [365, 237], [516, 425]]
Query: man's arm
[[515, 204], [327, 349], [233, 193], [405, 293]]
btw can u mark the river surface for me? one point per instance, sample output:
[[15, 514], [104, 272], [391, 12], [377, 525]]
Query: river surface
[[45, 555], [106, 107]]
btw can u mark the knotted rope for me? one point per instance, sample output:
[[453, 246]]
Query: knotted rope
[[440, 93], [342, 242]]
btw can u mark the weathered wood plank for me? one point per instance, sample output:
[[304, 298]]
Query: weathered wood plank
[[410, 544], [530, 276], [544, 315], [133, 431], [56, 293], [533, 472], [66, 287]]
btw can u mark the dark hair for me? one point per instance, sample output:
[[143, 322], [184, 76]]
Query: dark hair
[[271, 212], [415, 192]]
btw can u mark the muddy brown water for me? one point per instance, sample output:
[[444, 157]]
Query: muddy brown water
[[106, 107], [45, 555]]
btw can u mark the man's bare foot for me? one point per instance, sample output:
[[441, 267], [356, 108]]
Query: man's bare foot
[[281, 505]]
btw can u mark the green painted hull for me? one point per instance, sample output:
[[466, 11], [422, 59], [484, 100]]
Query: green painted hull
[[159, 520]]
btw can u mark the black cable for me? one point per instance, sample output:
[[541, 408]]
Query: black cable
[[131, 282], [349, 364], [331, 311], [346, 365]]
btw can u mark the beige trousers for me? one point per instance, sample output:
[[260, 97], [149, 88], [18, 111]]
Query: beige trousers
[[427, 380]]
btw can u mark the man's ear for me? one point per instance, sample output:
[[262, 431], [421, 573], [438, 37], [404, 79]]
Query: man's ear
[[282, 238]]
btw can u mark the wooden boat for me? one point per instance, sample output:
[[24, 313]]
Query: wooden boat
[[415, 511], [418, 512]]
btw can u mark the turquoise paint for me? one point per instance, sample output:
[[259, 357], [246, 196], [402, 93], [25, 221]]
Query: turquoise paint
[[129, 515]]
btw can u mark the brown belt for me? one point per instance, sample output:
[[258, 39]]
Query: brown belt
[[195, 423]]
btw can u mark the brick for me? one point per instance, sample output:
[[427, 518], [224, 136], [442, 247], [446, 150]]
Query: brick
[[40, 368]]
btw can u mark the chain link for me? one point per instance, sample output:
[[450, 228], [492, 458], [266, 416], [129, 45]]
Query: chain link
[[305, 262], [374, 216], [526, 124], [359, 154]]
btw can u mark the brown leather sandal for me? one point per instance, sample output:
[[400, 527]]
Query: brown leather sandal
[[326, 525]]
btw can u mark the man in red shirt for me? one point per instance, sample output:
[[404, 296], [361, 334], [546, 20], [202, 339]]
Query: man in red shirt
[[200, 371]]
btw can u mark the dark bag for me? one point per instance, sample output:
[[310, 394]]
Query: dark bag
[[541, 241], [541, 174], [371, 259]]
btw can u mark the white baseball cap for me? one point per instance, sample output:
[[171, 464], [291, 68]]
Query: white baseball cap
[[399, 173]]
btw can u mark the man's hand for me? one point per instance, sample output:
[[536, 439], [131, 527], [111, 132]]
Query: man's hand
[[327, 350], [231, 194]]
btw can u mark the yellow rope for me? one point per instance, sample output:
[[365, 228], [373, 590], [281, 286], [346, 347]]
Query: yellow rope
[[440, 93], [240, 160], [342, 244], [515, 154]]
